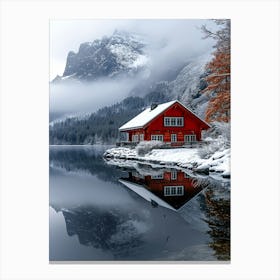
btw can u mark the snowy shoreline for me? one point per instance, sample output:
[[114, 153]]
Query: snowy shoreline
[[217, 163]]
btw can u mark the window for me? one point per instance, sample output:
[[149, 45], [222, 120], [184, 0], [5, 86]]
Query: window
[[173, 138], [173, 190], [173, 121], [173, 175], [135, 138], [190, 138], [124, 137], [166, 191], [179, 121], [159, 176], [141, 137], [180, 191], [157, 137], [166, 121]]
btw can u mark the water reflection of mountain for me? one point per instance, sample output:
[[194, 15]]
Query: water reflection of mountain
[[135, 234], [176, 220], [112, 231], [168, 188], [87, 159], [111, 219]]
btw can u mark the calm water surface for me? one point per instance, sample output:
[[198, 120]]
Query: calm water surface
[[105, 211]]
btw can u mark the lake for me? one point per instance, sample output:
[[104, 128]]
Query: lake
[[128, 211]]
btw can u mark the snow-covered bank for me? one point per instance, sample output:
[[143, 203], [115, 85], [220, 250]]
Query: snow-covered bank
[[218, 162]]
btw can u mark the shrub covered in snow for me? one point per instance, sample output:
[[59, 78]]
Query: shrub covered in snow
[[219, 139], [213, 146], [219, 130], [146, 146]]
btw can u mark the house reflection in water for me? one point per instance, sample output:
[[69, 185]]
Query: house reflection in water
[[171, 189]]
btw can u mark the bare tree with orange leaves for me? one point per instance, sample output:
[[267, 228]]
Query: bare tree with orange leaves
[[219, 73]]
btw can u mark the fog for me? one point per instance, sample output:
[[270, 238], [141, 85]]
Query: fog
[[173, 42], [170, 44], [75, 97]]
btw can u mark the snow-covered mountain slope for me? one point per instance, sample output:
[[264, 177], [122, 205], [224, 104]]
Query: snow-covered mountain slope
[[107, 57], [187, 81], [190, 82]]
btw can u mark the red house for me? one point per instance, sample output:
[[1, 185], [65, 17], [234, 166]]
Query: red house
[[171, 189], [170, 122]]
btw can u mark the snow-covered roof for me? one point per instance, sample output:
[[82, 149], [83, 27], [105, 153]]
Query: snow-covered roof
[[148, 114], [146, 194]]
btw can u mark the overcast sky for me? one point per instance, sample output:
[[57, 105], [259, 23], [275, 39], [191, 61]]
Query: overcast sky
[[182, 36]]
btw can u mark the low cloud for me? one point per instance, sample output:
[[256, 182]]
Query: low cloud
[[74, 97]]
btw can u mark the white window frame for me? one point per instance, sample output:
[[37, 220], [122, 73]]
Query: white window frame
[[135, 138], [180, 121], [189, 138], [124, 136], [173, 137], [141, 137], [173, 190], [180, 191], [174, 121], [174, 175], [157, 137]]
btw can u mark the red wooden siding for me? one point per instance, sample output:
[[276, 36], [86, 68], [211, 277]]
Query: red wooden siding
[[156, 186], [192, 125]]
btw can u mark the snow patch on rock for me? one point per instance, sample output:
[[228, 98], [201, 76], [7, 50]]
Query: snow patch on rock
[[128, 57]]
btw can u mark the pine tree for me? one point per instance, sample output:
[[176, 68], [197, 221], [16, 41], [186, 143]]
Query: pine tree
[[218, 78]]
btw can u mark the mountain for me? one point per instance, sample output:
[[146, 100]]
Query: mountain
[[189, 83], [125, 54], [121, 53]]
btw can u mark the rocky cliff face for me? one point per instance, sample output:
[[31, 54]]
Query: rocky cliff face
[[121, 53]]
